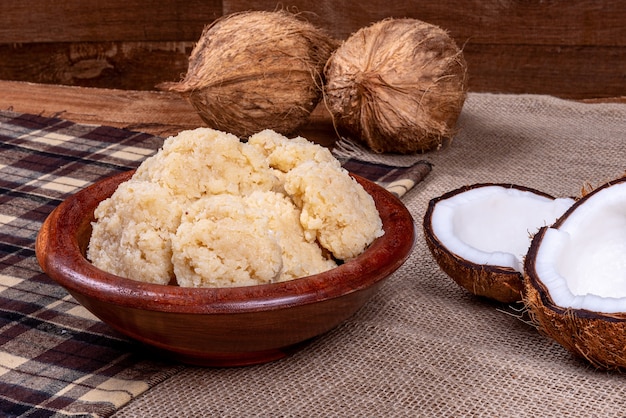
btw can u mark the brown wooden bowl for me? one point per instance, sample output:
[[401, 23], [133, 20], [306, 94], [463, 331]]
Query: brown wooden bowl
[[219, 326]]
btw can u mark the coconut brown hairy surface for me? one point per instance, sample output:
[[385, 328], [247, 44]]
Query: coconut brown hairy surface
[[398, 86], [582, 306], [599, 339], [256, 70]]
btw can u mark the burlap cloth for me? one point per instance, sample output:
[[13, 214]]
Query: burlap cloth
[[423, 347]]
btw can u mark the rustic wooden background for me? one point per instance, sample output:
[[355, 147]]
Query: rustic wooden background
[[568, 48]]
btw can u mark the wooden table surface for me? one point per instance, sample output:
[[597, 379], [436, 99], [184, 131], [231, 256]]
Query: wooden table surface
[[153, 112]]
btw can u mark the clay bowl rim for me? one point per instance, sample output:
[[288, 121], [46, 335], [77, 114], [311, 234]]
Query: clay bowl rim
[[62, 241]]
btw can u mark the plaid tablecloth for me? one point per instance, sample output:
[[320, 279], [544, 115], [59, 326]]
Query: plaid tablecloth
[[56, 359]]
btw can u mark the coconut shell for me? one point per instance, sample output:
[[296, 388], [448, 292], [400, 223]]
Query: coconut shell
[[596, 338], [256, 70], [599, 338], [397, 86], [501, 284]]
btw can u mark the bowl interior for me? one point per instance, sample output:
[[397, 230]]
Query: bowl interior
[[63, 239]]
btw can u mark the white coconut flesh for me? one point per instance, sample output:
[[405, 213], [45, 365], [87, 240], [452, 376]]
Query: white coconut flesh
[[493, 225], [583, 262]]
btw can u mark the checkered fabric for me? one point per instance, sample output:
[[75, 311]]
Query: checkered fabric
[[398, 180], [56, 358]]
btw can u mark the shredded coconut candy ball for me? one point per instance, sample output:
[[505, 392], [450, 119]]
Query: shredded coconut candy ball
[[208, 210]]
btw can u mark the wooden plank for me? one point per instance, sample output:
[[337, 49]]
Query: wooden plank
[[569, 72], [565, 71], [572, 49], [111, 20], [156, 113], [123, 65], [554, 22]]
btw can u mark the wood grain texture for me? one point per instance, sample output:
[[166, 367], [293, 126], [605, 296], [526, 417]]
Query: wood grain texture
[[572, 72], [514, 22], [569, 72], [157, 113], [112, 20], [124, 65], [153, 112], [571, 49]]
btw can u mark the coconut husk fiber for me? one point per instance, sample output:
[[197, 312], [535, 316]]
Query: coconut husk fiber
[[423, 346], [256, 70]]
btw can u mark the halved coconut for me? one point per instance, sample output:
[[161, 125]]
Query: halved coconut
[[575, 277], [479, 235]]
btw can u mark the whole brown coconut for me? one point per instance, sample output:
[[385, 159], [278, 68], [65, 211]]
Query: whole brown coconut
[[398, 86], [256, 70]]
